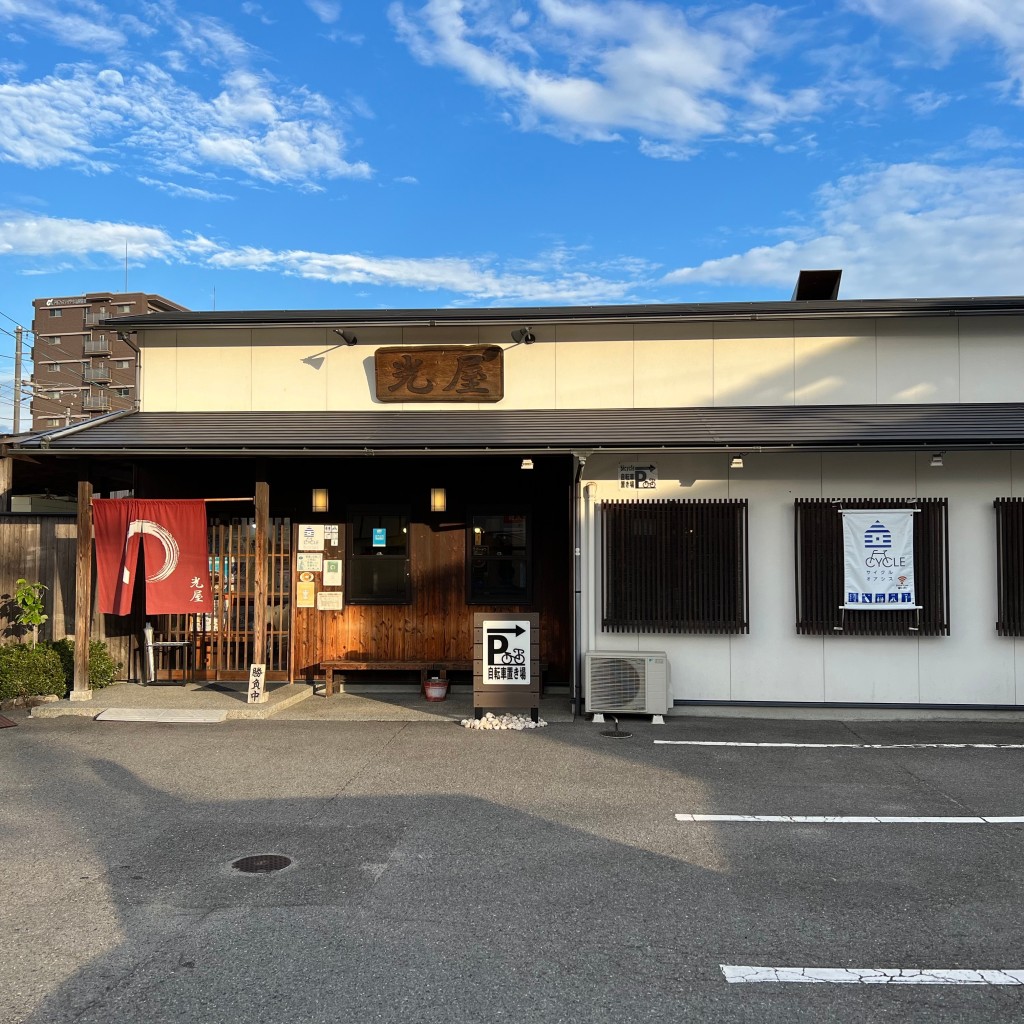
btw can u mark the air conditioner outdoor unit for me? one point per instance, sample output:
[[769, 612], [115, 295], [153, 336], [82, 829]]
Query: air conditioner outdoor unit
[[629, 682]]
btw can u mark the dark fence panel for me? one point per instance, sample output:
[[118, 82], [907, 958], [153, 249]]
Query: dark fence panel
[[674, 566], [819, 570], [41, 549], [1010, 566]]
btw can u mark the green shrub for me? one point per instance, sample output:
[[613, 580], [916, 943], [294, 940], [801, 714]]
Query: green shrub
[[103, 669], [30, 672]]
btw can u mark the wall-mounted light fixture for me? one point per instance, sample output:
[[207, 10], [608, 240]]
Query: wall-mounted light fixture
[[737, 462], [346, 336], [526, 464], [319, 499], [438, 499], [936, 460], [524, 336]]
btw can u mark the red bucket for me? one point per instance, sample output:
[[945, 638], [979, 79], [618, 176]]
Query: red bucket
[[436, 689]]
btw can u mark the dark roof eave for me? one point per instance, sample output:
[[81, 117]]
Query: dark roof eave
[[747, 428], [535, 315]]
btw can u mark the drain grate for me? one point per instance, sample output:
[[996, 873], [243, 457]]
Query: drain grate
[[614, 734], [261, 864]]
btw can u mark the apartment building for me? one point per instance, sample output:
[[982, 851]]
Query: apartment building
[[82, 369]]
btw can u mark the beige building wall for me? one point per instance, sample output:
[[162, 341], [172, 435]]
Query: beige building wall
[[904, 360], [973, 665]]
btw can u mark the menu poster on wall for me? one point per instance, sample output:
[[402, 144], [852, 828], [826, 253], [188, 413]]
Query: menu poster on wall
[[332, 572], [311, 537], [305, 595], [308, 561]]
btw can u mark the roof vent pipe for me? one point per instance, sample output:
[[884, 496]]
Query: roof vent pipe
[[817, 285]]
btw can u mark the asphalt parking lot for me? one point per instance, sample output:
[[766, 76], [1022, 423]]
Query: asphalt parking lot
[[441, 874]]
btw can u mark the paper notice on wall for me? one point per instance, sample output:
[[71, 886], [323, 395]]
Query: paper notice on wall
[[878, 560], [309, 561], [305, 595], [330, 601], [332, 572], [311, 537], [331, 533]]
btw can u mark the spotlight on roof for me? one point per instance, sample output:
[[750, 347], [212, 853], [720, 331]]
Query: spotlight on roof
[[936, 460], [737, 462], [349, 339], [524, 336]]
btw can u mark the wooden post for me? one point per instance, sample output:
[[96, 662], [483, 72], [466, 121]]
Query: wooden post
[[259, 611], [5, 483], [83, 592]]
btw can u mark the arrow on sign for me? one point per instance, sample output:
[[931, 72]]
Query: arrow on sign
[[518, 630]]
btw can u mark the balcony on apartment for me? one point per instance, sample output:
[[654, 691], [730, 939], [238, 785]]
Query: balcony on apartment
[[97, 346], [97, 373], [96, 403]]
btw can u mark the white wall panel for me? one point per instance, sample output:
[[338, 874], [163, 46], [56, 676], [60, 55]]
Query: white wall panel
[[991, 359], [835, 362], [673, 366], [918, 360], [288, 368], [590, 376], [754, 363], [159, 371], [214, 376]]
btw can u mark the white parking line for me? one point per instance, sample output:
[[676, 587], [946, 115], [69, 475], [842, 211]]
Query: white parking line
[[848, 819], [845, 746], [870, 976]]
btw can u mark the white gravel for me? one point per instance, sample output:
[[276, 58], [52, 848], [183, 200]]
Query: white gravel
[[495, 722]]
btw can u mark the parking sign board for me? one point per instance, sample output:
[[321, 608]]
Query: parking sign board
[[506, 652]]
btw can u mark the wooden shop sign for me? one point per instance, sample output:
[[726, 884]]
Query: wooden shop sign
[[446, 373]]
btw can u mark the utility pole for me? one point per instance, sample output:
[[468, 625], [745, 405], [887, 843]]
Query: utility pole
[[16, 421]]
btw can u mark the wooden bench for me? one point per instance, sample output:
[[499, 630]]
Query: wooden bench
[[428, 669]]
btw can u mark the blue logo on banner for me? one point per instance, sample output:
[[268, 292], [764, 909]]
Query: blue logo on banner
[[905, 598], [877, 536], [380, 537], [853, 597]]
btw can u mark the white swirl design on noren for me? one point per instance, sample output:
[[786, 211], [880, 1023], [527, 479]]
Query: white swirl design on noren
[[166, 538]]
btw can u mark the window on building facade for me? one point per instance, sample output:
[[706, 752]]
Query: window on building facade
[[121, 364], [819, 571], [56, 312], [378, 557], [1009, 562], [674, 566], [54, 340], [55, 367], [124, 307], [124, 392], [498, 558]]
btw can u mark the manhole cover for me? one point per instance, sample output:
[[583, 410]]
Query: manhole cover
[[261, 864]]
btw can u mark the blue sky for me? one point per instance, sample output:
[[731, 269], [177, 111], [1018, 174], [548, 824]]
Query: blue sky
[[324, 154]]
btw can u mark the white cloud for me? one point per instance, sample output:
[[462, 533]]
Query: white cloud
[[91, 30], [561, 277], [88, 116], [183, 191], [26, 235], [904, 230], [589, 70], [85, 119], [328, 11], [945, 25]]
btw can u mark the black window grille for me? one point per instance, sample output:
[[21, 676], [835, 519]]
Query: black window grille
[[819, 570], [674, 566], [1010, 566]]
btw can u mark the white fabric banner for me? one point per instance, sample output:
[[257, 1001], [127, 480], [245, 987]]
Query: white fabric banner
[[878, 560]]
